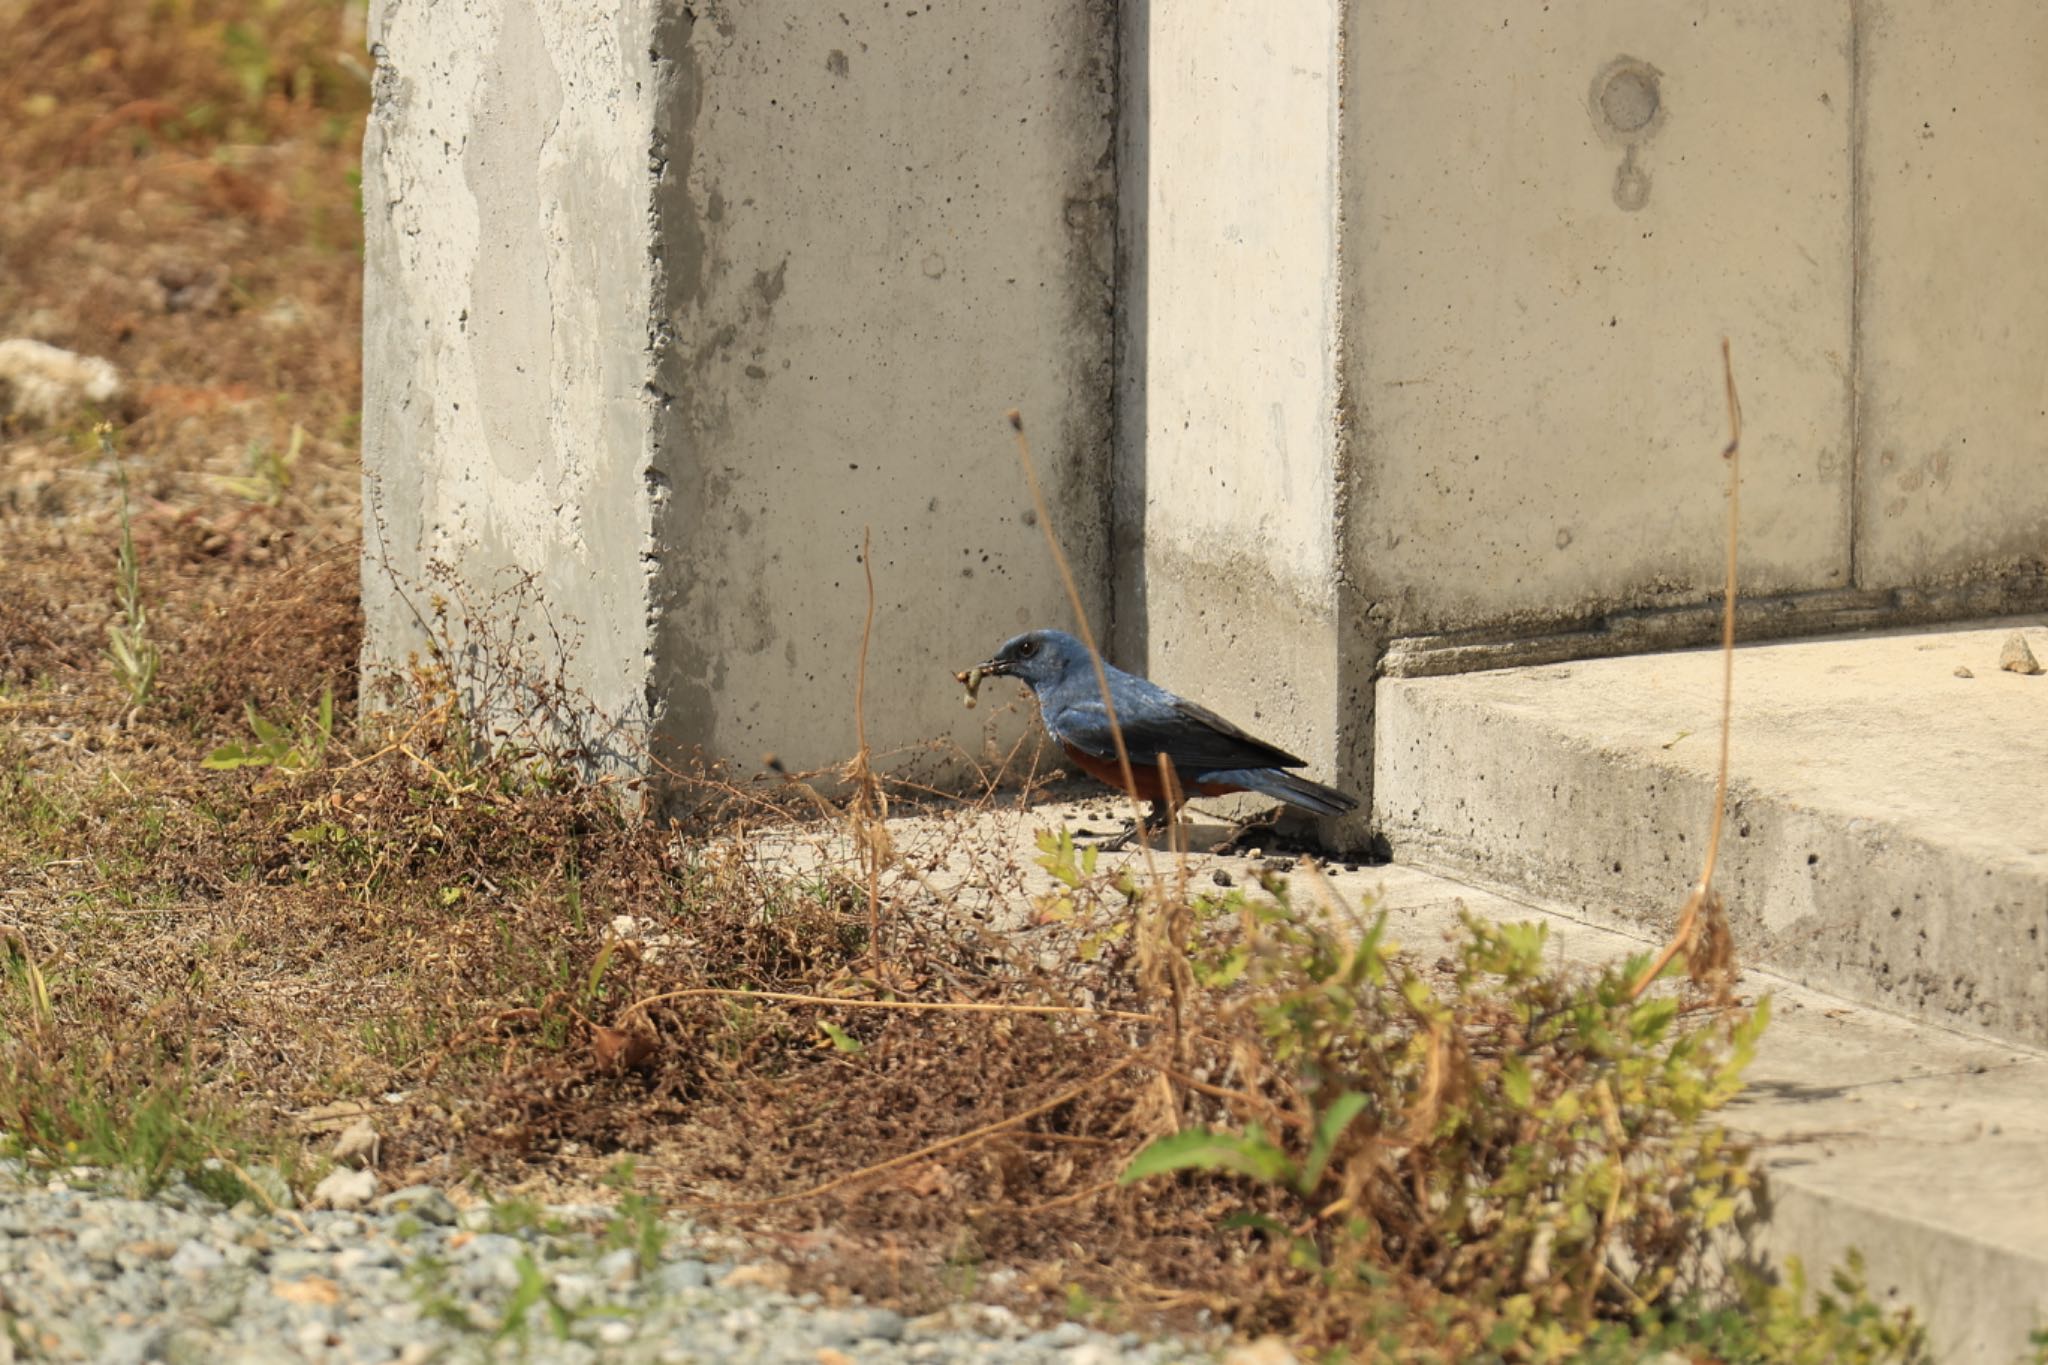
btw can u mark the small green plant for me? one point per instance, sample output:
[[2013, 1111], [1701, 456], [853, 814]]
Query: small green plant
[[133, 653], [1097, 904], [530, 1293], [270, 470], [300, 750], [640, 1222], [428, 1276], [1527, 1146]]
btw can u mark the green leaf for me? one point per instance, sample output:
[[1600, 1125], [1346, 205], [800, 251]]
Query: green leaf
[[842, 1041], [1329, 1128], [1250, 1153], [230, 756], [1517, 1083], [270, 735]]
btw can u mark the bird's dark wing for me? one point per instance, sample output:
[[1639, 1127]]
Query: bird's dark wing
[[1194, 737]]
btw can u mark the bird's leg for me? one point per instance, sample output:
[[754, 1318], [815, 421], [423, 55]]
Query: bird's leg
[[1156, 819], [1244, 830]]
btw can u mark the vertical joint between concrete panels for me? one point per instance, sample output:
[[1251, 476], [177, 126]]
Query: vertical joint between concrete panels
[[1859, 256], [677, 713], [1112, 551], [1130, 339], [1360, 643]]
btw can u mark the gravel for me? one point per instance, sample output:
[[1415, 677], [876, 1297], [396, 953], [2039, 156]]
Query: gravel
[[88, 1274]]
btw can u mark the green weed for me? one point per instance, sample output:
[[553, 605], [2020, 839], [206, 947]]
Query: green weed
[[133, 654]]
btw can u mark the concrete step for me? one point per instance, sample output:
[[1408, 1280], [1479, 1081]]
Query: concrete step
[[1887, 830], [1925, 1149]]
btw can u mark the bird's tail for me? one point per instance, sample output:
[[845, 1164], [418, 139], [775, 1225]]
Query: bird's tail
[[1285, 786]]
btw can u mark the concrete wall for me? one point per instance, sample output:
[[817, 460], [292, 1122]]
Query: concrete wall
[[1503, 244], [667, 307], [1229, 467], [1405, 319], [1952, 476], [891, 225], [506, 424], [1552, 217]]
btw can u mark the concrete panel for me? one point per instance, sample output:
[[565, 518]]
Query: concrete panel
[[665, 306], [505, 424], [1884, 837], [885, 226], [1953, 325], [1552, 215], [1228, 472]]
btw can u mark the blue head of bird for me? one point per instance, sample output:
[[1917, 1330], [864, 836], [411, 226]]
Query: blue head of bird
[[1037, 657]]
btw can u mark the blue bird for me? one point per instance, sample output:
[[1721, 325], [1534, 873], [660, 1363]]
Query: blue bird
[[1211, 756]]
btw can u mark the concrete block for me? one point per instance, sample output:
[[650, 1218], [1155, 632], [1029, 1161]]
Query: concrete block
[[1551, 216], [1953, 307], [888, 226], [1884, 840], [667, 305], [508, 274], [1228, 463]]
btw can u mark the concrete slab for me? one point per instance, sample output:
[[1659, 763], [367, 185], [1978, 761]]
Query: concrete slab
[[1886, 835], [1919, 1146], [1550, 216], [666, 305], [1952, 423], [1228, 462]]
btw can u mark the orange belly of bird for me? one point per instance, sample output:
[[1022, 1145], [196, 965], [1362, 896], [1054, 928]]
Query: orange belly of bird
[[1146, 776]]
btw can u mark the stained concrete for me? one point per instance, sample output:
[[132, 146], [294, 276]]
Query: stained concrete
[[888, 226], [1551, 217], [667, 306], [506, 424], [1953, 294], [1229, 466], [1886, 836]]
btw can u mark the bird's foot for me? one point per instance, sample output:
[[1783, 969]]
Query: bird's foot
[[1155, 822], [1117, 843], [1245, 832]]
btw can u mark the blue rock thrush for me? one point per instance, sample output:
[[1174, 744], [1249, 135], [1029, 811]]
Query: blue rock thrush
[[1210, 756]]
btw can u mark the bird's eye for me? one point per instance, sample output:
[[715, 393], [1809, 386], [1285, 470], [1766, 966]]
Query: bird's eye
[[1027, 649]]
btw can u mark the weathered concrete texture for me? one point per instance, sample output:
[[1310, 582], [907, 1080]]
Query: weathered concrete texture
[[1885, 839], [884, 226], [1227, 476], [1551, 216], [1954, 290], [666, 306], [505, 425]]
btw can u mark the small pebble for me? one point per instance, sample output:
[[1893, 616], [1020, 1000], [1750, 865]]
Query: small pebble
[[423, 1202], [342, 1188], [2015, 656]]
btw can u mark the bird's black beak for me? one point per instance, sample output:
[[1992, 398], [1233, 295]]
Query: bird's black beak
[[994, 668]]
